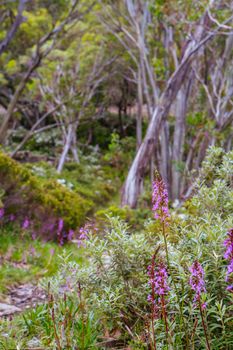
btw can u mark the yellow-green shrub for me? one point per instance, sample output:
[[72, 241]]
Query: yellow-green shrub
[[134, 217], [38, 198]]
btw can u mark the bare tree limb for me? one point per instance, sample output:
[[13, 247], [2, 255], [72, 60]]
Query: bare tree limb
[[17, 22]]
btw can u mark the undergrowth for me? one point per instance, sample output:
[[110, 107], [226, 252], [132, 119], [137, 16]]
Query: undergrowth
[[112, 299]]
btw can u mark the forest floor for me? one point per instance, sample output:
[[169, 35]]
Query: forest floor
[[21, 297], [23, 263]]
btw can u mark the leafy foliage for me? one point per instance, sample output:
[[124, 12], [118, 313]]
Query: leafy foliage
[[42, 201], [115, 282]]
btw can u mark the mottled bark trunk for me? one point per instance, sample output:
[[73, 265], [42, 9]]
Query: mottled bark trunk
[[202, 150], [139, 111], [74, 145], [165, 154], [133, 184], [131, 189], [66, 148], [179, 138]]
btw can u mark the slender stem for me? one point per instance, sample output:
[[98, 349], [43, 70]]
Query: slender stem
[[55, 331], [168, 265], [153, 347], [181, 305], [153, 305], [204, 326], [66, 322], [165, 318], [165, 242], [194, 331], [82, 314], [181, 309]]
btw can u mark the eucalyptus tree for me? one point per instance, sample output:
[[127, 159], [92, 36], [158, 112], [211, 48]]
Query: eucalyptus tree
[[177, 84], [42, 30], [18, 20], [67, 84]]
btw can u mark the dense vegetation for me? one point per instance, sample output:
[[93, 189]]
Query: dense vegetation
[[116, 174]]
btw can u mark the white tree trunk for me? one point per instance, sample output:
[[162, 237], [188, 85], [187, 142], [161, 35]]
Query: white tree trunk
[[65, 149], [131, 189], [179, 137], [74, 146]]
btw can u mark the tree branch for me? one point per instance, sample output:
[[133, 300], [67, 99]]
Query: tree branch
[[18, 20]]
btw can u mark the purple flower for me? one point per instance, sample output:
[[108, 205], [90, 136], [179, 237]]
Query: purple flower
[[60, 241], [52, 251], [228, 255], [60, 225], [33, 236], [2, 212], [160, 200], [229, 269], [230, 288], [26, 224], [203, 306], [159, 288], [60, 235], [196, 280], [159, 279], [83, 236], [49, 227], [33, 251], [70, 235], [12, 217]]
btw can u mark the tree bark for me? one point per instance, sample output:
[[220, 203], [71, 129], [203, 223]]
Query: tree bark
[[66, 148], [35, 62], [31, 132], [74, 146], [14, 100], [179, 137], [139, 111], [17, 22], [164, 154], [131, 188]]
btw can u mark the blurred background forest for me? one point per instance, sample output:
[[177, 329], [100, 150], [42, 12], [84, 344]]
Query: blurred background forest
[[138, 81], [96, 98]]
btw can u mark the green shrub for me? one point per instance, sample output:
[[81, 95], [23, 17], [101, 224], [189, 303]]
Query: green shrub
[[116, 282], [117, 156], [39, 199], [135, 218], [87, 178], [214, 187]]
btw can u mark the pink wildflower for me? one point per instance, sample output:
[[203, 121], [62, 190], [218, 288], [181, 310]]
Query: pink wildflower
[[2, 212], [26, 224], [196, 280], [33, 236], [70, 235], [33, 251], [84, 232], [60, 236], [52, 251], [228, 243], [60, 225], [160, 200], [158, 282], [12, 217], [159, 290]]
